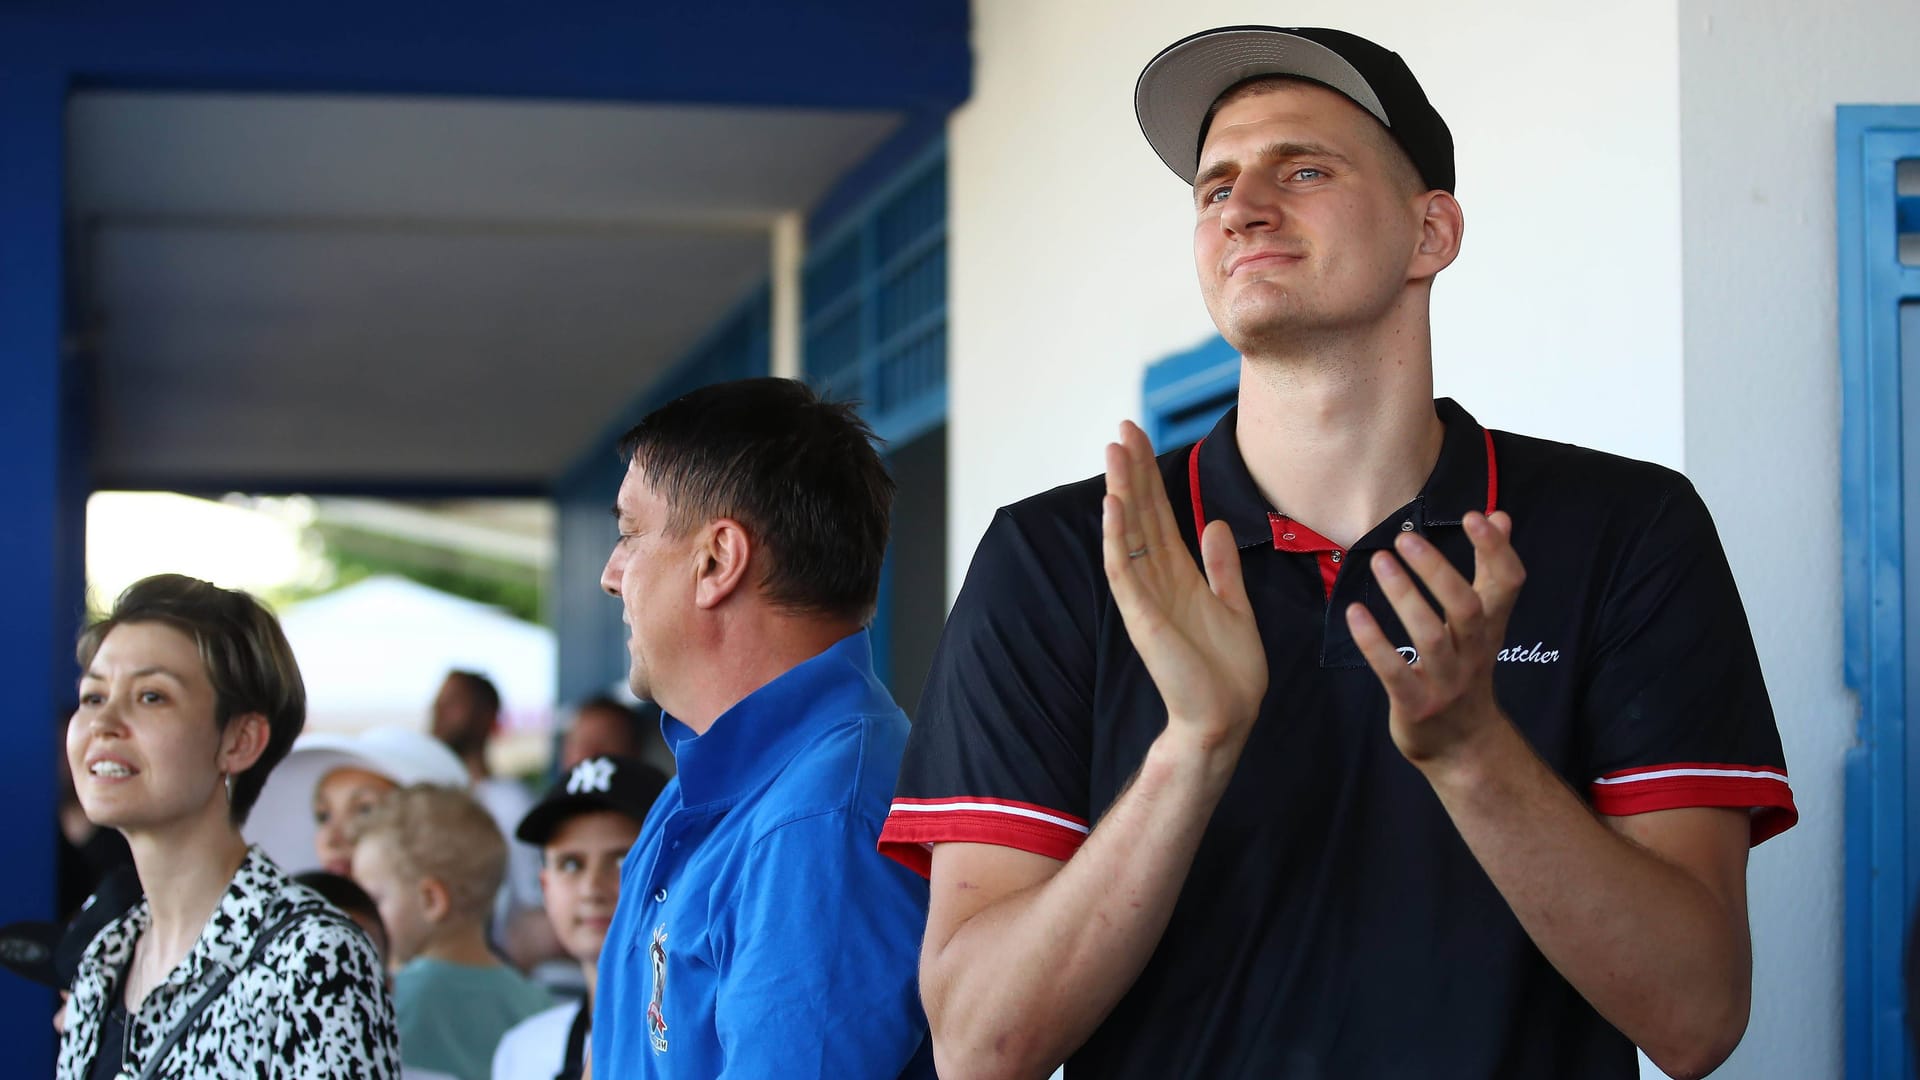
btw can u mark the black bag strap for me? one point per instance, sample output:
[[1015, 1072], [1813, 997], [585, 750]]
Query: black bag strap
[[219, 986], [574, 1063]]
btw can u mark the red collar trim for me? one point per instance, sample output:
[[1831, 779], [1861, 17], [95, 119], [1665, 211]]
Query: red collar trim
[[1200, 509]]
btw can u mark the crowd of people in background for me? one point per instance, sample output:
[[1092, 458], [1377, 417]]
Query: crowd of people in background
[[394, 909], [483, 905]]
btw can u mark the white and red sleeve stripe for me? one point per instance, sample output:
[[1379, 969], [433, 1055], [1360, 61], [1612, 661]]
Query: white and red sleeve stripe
[[913, 826], [1763, 789]]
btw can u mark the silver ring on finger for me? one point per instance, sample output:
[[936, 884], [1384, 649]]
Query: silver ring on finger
[[1137, 552]]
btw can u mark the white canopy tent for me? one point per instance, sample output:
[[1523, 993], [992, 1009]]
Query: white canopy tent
[[374, 653]]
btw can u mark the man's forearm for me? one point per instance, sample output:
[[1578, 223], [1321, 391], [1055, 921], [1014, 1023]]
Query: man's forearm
[[1025, 981], [1656, 951]]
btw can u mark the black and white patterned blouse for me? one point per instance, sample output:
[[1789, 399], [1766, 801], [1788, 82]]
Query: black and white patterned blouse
[[315, 1005]]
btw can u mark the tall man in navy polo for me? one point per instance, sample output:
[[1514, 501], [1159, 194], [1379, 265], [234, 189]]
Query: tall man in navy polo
[[1448, 765], [758, 934]]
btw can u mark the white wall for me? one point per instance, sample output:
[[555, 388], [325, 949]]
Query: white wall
[[1070, 249], [1759, 82]]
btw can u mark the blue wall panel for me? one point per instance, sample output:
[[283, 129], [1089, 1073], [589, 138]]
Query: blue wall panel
[[1186, 394], [875, 294], [40, 511], [875, 318], [589, 636]]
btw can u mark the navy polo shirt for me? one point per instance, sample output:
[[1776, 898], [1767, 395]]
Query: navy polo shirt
[[1334, 924], [758, 934]]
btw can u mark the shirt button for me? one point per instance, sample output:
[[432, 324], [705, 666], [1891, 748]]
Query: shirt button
[[1286, 536], [1406, 526], [1335, 556], [660, 897], [676, 845]]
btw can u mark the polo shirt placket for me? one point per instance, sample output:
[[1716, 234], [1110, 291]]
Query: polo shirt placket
[[1466, 477], [1333, 922]]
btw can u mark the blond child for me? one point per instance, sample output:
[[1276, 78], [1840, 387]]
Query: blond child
[[432, 859]]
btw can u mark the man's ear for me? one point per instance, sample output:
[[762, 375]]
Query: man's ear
[[1442, 225], [242, 743], [435, 900], [725, 553]]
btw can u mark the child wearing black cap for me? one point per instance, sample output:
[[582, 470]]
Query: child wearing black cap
[[583, 827]]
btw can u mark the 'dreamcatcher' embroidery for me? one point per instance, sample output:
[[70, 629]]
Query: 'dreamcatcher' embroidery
[[656, 1009], [1521, 654], [1512, 654]]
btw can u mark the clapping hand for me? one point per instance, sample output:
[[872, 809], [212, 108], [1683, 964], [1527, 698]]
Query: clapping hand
[[1442, 703], [1196, 635]]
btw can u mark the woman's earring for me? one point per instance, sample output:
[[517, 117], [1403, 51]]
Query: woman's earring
[[229, 780]]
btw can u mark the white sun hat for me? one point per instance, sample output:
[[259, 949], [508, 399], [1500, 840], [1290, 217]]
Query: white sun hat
[[282, 820]]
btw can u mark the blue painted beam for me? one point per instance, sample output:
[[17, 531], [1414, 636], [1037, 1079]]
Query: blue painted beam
[[39, 545], [844, 54]]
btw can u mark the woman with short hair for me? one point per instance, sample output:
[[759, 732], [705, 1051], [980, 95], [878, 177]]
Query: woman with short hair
[[189, 696]]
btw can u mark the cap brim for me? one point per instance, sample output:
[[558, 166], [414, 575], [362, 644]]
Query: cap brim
[[545, 819], [1177, 87]]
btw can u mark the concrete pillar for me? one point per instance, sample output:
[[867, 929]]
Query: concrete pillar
[[789, 256]]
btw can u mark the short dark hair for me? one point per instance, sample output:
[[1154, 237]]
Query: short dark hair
[[1406, 173], [800, 473], [346, 894], [636, 723], [482, 688], [248, 661]]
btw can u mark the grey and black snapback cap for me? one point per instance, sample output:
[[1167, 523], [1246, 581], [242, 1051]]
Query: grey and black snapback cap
[[1178, 87]]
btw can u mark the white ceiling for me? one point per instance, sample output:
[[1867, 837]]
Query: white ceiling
[[285, 291]]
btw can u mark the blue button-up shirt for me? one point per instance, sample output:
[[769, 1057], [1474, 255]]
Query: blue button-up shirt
[[759, 934]]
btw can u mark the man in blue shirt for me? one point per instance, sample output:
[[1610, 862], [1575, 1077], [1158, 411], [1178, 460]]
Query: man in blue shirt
[[758, 932]]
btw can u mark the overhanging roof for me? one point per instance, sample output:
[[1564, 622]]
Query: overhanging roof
[[286, 291]]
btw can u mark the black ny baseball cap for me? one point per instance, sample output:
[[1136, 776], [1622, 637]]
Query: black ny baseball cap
[[1178, 87], [622, 784]]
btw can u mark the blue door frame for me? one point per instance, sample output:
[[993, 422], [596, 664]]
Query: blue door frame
[[1883, 768]]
